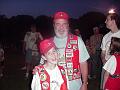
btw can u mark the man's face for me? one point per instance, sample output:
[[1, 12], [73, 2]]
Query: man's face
[[61, 27], [109, 22]]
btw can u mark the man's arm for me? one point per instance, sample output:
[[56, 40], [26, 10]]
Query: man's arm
[[103, 56], [83, 63], [84, 72]]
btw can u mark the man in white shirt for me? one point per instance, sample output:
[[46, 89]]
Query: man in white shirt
[[112, 23], [72, 51]]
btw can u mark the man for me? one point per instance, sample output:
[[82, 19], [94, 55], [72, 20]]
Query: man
[[95, 41], [72, 51], [30, 47], [112, 23]]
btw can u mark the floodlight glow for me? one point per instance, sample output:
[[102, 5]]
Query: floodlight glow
[[111, 11]]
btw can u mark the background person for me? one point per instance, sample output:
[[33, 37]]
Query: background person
[[95, 41], [1, 60], [77, 32], [112, 23], [31, 40]]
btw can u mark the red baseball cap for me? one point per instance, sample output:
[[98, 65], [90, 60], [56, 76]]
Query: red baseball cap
[[61, 15], [46, 45]]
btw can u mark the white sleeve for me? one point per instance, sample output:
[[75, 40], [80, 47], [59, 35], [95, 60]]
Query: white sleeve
[[35, 85], [110, 65], [103, 44], [83, 53]]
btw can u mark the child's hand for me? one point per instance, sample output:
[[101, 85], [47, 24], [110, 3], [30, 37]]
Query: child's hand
[[35, 70]]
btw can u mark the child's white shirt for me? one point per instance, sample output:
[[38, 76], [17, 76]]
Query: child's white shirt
[[110, 65], [55, 80]]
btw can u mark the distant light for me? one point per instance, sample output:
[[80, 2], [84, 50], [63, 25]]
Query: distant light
[[111, 11]]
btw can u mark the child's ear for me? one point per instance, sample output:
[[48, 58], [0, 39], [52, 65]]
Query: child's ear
[[43, 57]]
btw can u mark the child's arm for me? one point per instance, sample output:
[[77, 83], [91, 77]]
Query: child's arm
[[109, 67], [35, 85], [105, 78]]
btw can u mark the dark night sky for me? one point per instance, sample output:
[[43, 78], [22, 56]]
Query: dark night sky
[[39, 7]]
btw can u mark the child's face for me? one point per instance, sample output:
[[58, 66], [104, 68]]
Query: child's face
[[52, 56]]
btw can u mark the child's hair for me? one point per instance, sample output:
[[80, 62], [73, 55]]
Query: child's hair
[[115, 45]]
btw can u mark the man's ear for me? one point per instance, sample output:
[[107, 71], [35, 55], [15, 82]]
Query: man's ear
[[114, 22]]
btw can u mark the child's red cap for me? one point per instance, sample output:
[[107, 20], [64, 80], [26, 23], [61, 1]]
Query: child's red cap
[[61, 15], [46, 45]]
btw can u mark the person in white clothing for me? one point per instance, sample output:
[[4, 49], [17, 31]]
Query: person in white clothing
[[72, 51], [49, 76], [30, 48], [112, 23]]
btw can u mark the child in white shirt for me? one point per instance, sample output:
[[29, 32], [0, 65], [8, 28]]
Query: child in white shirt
[[49, 76], [112, 67]]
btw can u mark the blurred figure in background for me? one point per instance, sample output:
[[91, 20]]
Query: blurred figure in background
[[77, 32], [30, 47], [95, 41], [88, 46], [1, 61]]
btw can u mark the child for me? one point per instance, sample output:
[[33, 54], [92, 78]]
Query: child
[[1, 61], [112, 67], [49, 76]]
